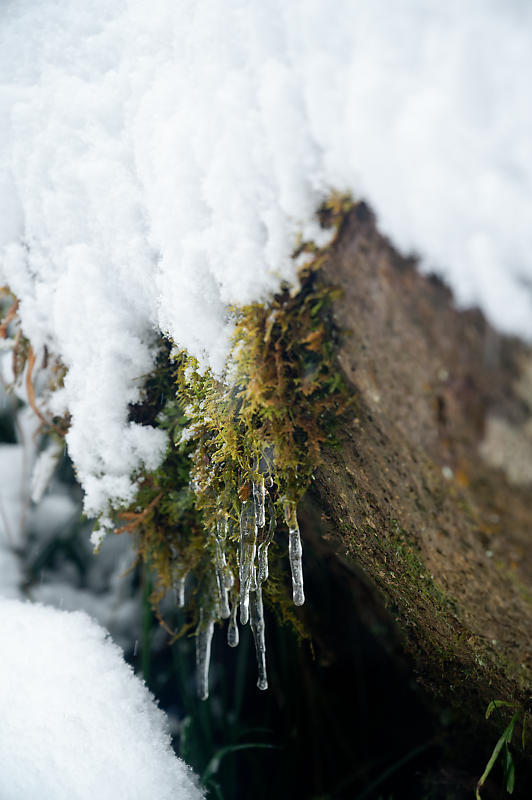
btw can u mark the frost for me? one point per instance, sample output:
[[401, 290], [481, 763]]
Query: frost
[[158, 165], [76, 721]]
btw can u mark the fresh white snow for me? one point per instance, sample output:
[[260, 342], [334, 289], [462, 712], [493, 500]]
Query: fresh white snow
[[77, 724], [158, 160]]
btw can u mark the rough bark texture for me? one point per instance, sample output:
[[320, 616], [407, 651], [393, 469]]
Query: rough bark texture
[[430, 491]]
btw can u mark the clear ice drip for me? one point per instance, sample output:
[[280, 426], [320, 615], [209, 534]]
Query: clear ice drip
[[221, 568], [179, 577], [295, 552], [232, 631], [248, 546], [258, 499], [204, 634], [179, 589], [225, 611], [257, 628], [229, 578], [262, 550]]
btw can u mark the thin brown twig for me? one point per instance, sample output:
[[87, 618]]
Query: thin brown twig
[[11, 314], [130, 526], [30, 391]]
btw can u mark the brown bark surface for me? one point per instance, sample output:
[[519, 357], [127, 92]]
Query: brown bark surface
[[430, 491]]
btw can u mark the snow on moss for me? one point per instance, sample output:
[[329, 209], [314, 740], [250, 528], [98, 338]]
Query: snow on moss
[[157, 162], [76, 722]]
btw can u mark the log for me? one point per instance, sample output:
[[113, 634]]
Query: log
[[429, 493]]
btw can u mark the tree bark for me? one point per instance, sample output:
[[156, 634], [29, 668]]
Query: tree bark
[[429, 492]]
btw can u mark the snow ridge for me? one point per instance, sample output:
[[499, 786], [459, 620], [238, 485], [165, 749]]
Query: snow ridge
[[157, 164]]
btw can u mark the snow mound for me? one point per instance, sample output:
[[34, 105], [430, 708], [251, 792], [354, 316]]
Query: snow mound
[[77, 724], [158, 161]]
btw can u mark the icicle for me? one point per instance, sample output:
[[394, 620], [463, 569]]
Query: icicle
[[229, 578], [262, 550], [179, 589], [257, 628], [179, 577], [225, 611], [258, 499], [253, 582], [294, 552], [221, 567], [248, 542], [232, 630], [203, 653]]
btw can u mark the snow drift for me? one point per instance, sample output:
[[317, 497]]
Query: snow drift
[[157, 163], [77, 724]]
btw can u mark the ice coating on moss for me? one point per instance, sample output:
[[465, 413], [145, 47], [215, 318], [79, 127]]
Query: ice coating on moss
[[157, 163]]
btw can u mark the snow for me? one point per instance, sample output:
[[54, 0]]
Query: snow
[[76, 721], [157, 162], [77, 724]]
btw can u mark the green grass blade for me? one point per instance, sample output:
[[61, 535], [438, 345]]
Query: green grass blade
[[214, 764], [505, 738], [498, 704]]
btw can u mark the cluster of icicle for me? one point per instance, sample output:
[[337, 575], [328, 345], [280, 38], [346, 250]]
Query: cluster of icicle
[[220, 599]]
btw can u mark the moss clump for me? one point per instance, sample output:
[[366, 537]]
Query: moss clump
[[263, 422]]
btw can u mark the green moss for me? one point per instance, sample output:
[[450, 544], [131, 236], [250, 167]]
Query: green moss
[[415, 574], [267, 418]]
